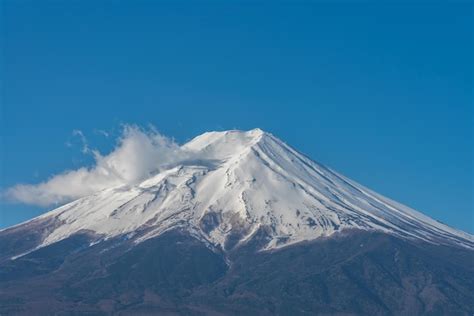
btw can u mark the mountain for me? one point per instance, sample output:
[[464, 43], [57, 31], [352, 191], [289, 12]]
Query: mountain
[[246, 225]]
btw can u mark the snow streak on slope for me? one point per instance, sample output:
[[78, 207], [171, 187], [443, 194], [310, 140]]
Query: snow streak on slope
[[242, 183]]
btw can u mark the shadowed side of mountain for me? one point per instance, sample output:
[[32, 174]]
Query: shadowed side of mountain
[[352, 273]]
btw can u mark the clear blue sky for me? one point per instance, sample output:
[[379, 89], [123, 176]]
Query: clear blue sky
[[381, 93]]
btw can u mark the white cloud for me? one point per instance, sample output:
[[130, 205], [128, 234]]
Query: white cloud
[[138, 154]]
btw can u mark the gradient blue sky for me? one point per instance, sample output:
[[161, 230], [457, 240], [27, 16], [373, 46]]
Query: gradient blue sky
[[381, 93]]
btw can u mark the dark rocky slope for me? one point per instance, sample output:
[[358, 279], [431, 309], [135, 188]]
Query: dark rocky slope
[[351, 273]]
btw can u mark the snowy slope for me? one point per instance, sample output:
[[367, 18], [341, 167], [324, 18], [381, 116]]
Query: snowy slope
[[240, 183]]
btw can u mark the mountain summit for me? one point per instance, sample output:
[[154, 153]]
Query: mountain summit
[[243, 193]]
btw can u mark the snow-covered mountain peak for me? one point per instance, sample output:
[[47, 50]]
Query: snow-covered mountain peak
[[237, 184], [225, 144]]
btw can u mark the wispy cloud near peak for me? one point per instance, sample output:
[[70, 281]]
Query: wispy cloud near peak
[[138, 154]]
